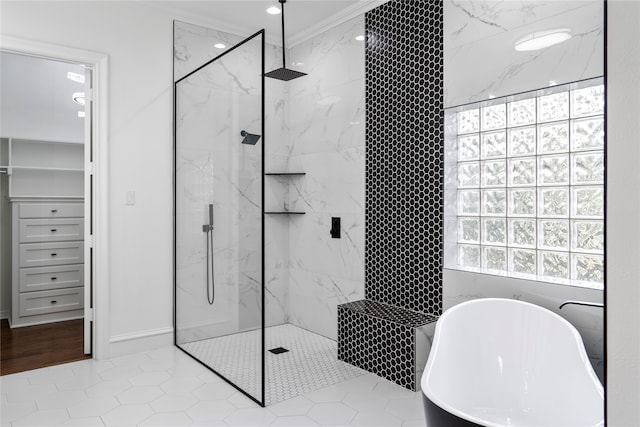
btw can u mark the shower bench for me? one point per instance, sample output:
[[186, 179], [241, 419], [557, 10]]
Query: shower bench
[[389, 341]]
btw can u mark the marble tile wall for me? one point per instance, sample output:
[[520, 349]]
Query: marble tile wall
[[480, 59], [315, 125], [238, 244], [327, 141], [213, 167]]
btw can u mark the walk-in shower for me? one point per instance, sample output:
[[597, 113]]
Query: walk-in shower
[[233, 313]]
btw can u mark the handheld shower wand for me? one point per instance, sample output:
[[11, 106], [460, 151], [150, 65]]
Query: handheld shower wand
[[208, 229]]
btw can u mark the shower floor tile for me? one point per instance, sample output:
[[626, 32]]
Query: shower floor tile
[[311, 362]]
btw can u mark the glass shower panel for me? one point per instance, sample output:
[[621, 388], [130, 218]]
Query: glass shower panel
[[219, 215]]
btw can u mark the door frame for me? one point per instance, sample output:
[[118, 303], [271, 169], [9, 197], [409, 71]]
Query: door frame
[[100, 263]]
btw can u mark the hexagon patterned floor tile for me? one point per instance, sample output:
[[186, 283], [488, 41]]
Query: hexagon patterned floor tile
[[165, 387]]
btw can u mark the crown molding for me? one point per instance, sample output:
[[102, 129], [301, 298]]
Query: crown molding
[[201, 20], [341, 17], [361, 7]]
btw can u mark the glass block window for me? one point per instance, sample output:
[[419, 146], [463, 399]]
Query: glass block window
[[529, 193]]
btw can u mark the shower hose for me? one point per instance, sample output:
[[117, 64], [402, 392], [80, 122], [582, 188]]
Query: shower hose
[[210, 277]]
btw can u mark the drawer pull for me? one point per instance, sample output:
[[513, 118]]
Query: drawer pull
[[54, 210], [53, 301], [54, 254], [54, 278], [53, 230]]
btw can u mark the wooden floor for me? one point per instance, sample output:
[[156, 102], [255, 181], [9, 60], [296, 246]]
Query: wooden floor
[[32, 347]]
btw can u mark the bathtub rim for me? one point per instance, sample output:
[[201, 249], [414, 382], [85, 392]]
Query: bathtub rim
[[434, 398]]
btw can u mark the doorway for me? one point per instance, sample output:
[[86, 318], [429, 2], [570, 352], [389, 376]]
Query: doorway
[[46, 211]]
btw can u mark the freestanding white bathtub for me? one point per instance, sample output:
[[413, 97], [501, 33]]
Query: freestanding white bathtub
[[501, 362]]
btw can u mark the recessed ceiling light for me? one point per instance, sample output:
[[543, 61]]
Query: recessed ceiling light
[[491, 96], [273, 10], [542, 39], [552, 83], [75, 77], [360, 38], [78, 98], [219, 46], [81, 114]]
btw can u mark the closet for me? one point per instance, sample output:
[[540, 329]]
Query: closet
[[45, 194]]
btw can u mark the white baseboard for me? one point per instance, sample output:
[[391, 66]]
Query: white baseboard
[[4, 314], [120, 345]]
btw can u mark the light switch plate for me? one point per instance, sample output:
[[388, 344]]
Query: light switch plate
[[130, 198]]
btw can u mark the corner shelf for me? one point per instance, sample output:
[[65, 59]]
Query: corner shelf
[[285, 173], [284, 213]]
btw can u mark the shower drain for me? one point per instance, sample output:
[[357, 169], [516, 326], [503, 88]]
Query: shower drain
[[278, 350]]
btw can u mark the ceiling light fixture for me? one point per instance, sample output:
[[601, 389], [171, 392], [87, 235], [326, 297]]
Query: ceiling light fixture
[[542, 39], [81, 114], [78, 98], [79, 78], [273, 10], [552, 83], [219, 46], [360, 38]]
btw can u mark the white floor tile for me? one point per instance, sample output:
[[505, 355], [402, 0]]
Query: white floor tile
[[108, 388], [178, 419], [150, 378], [93, 407], [139, 394], [293, 421], [127, 415], [298, 405], [179, 391], [331, 413], [209, 411], [214, 391], [180, 384], [13, 411], [83, 422], [406, 409], [27, 393], [61, 399], [42, 418], [174, 403], [376, 419], [250, 417]]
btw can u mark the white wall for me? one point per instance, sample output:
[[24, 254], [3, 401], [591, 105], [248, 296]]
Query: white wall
[[480, 60], [623, 211], [138, 41]]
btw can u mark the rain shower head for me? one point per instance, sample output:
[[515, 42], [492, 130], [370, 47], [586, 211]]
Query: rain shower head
[[284, 73], [249, 138]]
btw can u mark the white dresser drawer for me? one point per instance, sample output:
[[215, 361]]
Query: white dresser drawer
[[44, 302], [51, 230], [44, 254], [51, 210], [46, 278]]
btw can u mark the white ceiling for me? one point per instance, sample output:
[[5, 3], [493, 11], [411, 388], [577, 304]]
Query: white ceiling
[[36, 95], [303, 18]]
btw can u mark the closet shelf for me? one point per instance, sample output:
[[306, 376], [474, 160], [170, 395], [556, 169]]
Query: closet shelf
[[41, 168]]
